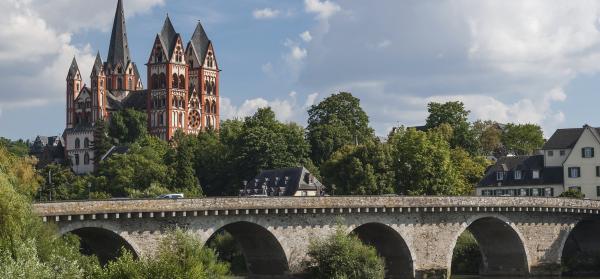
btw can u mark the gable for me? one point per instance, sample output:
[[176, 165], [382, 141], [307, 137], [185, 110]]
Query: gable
[[588, 138], [158, 53]]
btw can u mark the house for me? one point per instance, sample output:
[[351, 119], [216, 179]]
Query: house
[[567, 161], [296, 181], [47, 150]]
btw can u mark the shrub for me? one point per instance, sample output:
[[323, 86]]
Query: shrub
[[342, 256], [573, 194]]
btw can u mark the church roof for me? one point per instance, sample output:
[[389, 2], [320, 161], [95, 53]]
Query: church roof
[[118, 51], [200, 43], [168, 37], [73, 69]]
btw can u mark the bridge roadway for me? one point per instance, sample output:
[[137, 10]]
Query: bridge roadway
[[415, 235]]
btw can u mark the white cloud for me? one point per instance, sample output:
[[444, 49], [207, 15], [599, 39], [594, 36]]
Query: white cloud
[[36, 46], [305, 36], [285, 109], [297, 53], [265, 13], [507, 61], [267, 68], [323, 10]]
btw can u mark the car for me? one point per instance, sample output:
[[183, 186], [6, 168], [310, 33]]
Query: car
[[171, 196]]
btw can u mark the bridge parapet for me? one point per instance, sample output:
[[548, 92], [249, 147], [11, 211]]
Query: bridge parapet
[[338, 204]]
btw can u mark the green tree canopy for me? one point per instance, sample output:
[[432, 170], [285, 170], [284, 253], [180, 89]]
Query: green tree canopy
[[523, 139], [336, 121], [423, 164], [181, 160], [139, 168], [489, 137], [454, 114], [17, 147], [128, 125], [265, 143], [360, 170], [342, 256]]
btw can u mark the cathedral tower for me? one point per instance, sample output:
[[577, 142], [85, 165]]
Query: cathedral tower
[[98, 90], [73, 88], [121, 73], [204, 81], [167, 98]]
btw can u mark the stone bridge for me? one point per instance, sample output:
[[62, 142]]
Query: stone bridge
[[415, 235]]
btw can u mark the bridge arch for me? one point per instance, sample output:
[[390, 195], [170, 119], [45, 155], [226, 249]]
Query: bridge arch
[[262, 251], [502, 246], [104, 242], [390, 245], [580, 249]]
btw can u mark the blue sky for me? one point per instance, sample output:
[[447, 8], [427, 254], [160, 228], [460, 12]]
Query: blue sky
[[510, 61]]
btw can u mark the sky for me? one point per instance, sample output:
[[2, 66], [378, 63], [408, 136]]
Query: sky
[[535, 61]]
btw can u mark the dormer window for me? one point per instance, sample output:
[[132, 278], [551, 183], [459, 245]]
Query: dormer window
[[550, 153], [518, 175], [500, 175], [587, 152], [535, 174], [562, 153]]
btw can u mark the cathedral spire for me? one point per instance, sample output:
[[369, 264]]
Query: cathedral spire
[[118, 51], [200, 43], [97, 64], [168, 36], [73, 69]]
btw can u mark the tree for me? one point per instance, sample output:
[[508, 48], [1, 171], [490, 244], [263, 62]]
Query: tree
[[454, 114], [180, 255], [265, 143], [214, 160], [143, 165], [523, 139], [336, 121], [28, 247], [19, 147], [102, 142], [489, 137], [470, 168], [128, 125], [423, 164], [343, 256], [360, 170], [181, 160]]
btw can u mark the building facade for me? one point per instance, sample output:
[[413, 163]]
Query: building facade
[[182, 94], [567, 161]]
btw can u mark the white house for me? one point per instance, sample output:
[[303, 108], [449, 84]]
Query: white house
[[567, 161]]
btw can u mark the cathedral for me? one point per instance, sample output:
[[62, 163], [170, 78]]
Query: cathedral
[[182, 89]]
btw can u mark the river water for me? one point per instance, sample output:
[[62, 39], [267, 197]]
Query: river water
[[480, 277]]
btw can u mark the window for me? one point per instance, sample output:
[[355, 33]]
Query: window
[[500, 175], [535, 192], [181, 82], [598, 191], [562, 153], [175, 83], [587, 152], [549, 192], [550, 153], [518, 175], [77, 143], [598, 171], [86, 159], [535, 174], [574, 172], [523, 192], [86, 143], [76, 159]]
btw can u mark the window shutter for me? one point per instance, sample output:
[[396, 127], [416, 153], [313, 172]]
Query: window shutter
[[583, 152], [592, 152]]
